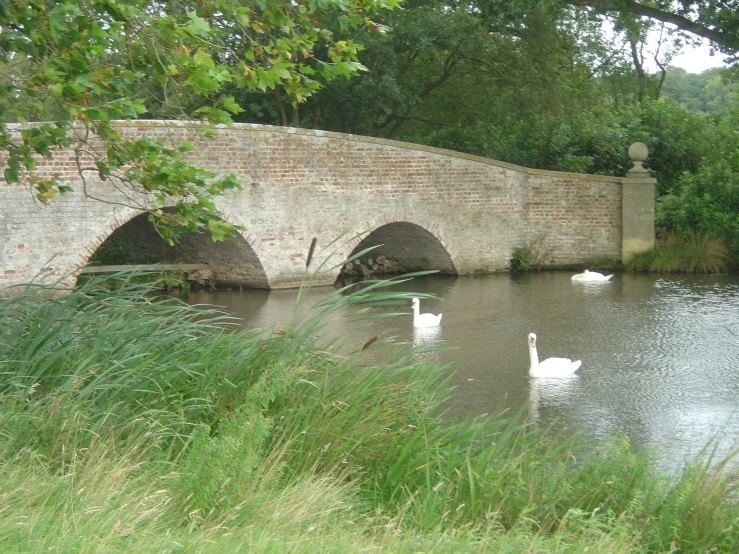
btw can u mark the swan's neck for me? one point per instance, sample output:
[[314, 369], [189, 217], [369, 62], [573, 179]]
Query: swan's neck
[[533, 355], [416, 313]]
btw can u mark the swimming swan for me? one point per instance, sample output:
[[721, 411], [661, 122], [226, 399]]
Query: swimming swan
[[591, 276], [551, 367], [424, 320]]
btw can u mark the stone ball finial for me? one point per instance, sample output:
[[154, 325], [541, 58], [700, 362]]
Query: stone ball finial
[[638, 152]]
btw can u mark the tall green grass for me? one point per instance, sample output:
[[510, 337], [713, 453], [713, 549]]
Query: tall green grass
[[689, 252], [132, 424]]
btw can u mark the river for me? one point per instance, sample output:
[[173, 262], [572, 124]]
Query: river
[[660, 354]]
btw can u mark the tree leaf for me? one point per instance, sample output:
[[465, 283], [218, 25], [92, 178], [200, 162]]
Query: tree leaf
[[198, 26], [230, 104]]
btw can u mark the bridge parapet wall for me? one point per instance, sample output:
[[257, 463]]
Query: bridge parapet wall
[[299, 184]]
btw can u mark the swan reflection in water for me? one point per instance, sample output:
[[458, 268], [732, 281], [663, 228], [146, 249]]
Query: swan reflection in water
[[427, 340], [551, 392]]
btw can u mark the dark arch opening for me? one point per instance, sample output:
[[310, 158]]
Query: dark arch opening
[[232, 261], [401, 247]]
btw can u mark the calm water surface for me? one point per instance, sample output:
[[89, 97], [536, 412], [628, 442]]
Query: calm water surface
[[660, 355]]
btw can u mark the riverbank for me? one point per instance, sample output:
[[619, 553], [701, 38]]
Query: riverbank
[[135, 425]]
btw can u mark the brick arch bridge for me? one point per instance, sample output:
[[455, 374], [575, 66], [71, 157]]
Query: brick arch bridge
[[461, 213]]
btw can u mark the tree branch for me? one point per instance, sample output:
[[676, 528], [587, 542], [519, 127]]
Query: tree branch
[[727, 40]]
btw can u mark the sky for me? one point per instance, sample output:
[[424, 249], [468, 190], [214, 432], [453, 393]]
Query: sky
[[695, 60]]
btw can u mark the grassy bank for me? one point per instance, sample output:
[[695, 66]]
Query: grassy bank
[[132, 425]]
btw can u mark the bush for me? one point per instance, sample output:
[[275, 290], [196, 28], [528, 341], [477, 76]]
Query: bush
[[707, 202], [522, 260]]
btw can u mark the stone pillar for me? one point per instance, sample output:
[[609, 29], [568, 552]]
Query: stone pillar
[[638, 206]]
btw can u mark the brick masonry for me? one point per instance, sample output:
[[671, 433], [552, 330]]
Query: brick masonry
[[470, 213]]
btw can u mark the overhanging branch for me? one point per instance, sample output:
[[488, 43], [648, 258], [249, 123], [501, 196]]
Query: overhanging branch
[[728, 40]]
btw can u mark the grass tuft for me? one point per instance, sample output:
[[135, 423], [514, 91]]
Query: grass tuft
[[690, 252]]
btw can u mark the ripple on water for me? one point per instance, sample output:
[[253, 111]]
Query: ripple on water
[[660, 354]]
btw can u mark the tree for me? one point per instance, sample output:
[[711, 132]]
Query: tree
[[447, 64], [97, 61], [707, 91], [715, 20]]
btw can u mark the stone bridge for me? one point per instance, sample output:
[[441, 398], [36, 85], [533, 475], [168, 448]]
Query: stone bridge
[[428, 208]]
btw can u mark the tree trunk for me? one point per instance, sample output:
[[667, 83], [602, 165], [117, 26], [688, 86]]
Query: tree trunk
[[638, 65], [295, 117], [281, 109]]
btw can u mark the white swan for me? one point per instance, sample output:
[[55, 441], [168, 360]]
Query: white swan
[[424, 320], [591, 276], [551, 367]]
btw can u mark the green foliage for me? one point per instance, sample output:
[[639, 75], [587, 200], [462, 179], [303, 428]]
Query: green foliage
[[688, 252], [130, 424], [533, 256], [711, 19], [81, 369], [707, 202], [706, 199], [522, 260], [98, 61], [707, 91], [218, 467], [472, 139], [678, 140], [694, 521], [579, 143], [473, 65]]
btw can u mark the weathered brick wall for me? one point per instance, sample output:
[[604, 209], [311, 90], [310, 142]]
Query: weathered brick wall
[[299, 184]]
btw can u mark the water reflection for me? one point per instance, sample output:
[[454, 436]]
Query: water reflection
[[551, 395], [427, 341], [427, 336], [659, 354], [592, 287]]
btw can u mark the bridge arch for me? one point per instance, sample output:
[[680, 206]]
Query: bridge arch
[[413, 244], [130, 238]]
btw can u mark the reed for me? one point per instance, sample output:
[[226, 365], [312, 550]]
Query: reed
[[136, 424], [91, 362]]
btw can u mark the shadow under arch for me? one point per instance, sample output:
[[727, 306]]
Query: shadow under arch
[[136, 242], [410, 246]]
